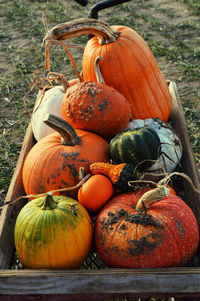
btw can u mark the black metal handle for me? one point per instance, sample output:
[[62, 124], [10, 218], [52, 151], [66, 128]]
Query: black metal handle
[[82, 2], [104, 4]]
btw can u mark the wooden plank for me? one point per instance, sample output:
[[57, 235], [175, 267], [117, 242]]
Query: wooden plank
[[188, 161], [151, 282], [9, 213]]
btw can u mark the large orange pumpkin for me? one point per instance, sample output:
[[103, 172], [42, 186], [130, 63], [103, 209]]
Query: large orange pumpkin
[[54, 161], [128, 65], [164, 235]]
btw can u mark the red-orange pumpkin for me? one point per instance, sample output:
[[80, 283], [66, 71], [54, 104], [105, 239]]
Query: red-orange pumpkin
[[54, 162], [128, 65], [164, 235]]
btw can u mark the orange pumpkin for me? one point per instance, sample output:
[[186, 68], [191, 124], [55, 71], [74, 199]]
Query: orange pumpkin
[[96, 107], [128, 65], [54, 162], [164, 234], [95, 192]]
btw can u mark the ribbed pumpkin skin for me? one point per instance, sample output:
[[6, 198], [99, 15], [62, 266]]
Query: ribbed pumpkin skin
[[58, 238], [96, 107], [50, 165], [170, 144], [167, 235], [129, 66], [135, 146]]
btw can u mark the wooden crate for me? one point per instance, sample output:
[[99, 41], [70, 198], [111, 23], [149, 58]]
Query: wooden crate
[[97, 284]]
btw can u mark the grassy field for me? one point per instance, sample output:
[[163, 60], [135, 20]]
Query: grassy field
[[171, 29]]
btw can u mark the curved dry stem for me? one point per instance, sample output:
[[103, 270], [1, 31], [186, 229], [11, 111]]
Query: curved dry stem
[[75, 28], [48, 59], [166, 180], [59, 77], [73, 63], [153, 161], [82, 26], [131, 183], [51, 76], [11, 202]]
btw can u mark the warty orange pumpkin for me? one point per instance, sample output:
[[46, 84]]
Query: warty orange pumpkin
[[96, 107]]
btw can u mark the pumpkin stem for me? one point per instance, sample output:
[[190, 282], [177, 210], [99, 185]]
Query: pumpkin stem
[[150, 196], [97, 71], [65, 129], [76, 28], [59, 78], [81, 26], [49, 202], [44, 194], [168, 177]]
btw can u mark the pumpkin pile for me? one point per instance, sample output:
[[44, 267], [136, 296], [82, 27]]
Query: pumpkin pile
[[110, 127]]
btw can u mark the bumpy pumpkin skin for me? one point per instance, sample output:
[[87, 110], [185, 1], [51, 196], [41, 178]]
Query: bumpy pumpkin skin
[[96, 107], [58, 238], [167, 235], [50, 165], [129, 66]]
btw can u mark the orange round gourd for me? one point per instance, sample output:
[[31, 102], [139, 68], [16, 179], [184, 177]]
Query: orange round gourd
[[94, 193]]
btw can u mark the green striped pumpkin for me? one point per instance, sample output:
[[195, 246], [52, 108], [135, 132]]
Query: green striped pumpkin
[[135, 146], [53, 232]]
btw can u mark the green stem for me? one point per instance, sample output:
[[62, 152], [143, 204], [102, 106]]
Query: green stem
[[49, 203]]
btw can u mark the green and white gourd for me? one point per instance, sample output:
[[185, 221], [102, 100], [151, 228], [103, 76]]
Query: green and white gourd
[[51, 103], [171, 147]]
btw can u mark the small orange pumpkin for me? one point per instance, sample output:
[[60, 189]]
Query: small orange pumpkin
[[95, 192]]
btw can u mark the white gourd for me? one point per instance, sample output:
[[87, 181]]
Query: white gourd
[[170, 144], [51, 103]]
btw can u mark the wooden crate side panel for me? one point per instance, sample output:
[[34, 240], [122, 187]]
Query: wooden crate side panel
[[114, 282], [9, 213], [188, 161]]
